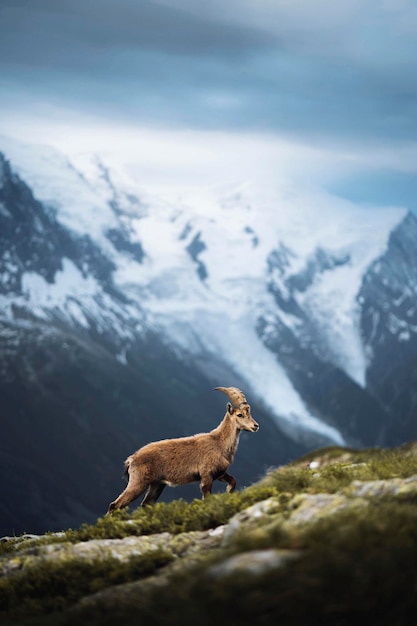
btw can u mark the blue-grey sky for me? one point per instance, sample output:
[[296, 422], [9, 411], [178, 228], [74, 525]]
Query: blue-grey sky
[[334, 79]]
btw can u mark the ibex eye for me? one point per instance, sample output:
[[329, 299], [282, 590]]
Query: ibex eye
[[239, 415]]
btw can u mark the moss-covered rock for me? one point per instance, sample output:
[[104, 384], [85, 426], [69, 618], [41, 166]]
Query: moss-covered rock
[[254, 562], [307, 509], [395, 487], [89, 552]]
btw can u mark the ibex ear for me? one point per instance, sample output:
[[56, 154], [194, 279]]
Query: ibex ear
[[230, 409]]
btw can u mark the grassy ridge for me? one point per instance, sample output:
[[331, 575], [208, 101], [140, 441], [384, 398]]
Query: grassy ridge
[[350, 565]]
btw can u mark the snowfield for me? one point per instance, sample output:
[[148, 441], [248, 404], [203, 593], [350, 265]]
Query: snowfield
[[205, 276]]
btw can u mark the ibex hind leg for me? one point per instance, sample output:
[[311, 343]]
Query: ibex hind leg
[[153, 493], [134, 489], [125, 499]]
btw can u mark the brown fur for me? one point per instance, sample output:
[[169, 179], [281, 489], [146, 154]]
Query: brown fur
[[204, 457]]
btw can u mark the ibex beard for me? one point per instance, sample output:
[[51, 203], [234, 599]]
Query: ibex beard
[[200, 458]]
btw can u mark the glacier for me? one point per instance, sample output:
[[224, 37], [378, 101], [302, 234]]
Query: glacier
[[203, 280]]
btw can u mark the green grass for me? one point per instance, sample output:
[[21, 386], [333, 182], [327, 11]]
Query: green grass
[[373, 464], [173, 517]]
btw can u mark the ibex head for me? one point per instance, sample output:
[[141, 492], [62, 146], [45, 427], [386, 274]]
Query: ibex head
[[239, 409]]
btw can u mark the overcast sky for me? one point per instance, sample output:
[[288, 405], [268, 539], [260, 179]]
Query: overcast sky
[[323, 89]]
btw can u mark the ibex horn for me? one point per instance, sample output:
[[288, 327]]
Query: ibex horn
[[234, 394]]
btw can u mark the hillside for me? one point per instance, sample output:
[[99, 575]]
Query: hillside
[[330, 539]]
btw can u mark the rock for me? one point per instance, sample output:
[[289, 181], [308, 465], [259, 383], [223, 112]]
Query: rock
[[255, 562], [397, 487], [93, 550], [250, 518], [29, 537], [308, 508], [21, 538], [120, 549]]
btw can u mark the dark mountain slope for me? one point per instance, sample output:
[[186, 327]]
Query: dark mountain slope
[[389, 327]]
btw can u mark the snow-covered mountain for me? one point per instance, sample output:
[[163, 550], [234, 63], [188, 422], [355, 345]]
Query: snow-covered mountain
[[303, 299]]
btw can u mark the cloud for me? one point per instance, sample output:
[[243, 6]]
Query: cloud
[[31, 31], [335, 77], [206, 156], [346, 29]]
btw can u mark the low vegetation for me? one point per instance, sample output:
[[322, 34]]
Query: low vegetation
[[355, 557]]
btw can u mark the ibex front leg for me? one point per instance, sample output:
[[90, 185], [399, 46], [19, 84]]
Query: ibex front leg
[[206, 485]]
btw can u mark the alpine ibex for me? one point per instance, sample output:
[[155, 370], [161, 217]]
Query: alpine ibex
[[204, 457]]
